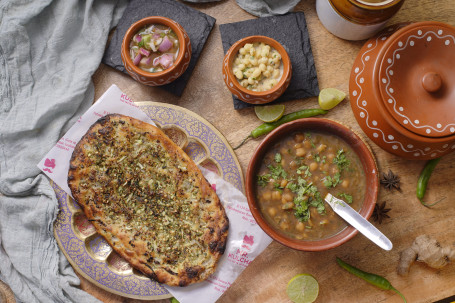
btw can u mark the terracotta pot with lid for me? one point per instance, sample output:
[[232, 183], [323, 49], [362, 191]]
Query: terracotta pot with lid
[[356, 19], [402, 89]]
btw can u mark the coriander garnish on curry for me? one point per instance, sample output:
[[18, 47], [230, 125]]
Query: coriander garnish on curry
[[295, 175]]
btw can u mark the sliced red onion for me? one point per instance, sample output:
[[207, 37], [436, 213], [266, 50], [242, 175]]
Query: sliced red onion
[[165, 45], [156, 61], [166, 60], [144, 52], [137, 59], [138, 38], [149, 60], [156, 36], [152, 46]]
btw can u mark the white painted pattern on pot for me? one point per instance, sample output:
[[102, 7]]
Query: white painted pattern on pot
[[386, 82], [360, 100]]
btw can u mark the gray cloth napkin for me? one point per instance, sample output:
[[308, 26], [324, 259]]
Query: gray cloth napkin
[[261, 8], [266, 8], [49, 51]]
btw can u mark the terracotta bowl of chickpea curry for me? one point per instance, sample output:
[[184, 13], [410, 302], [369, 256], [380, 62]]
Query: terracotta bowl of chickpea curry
[[257, 69], [293, 169]]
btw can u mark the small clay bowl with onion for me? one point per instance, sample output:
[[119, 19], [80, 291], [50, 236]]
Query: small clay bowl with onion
[[251, 96], [322, 126], [179, 65]]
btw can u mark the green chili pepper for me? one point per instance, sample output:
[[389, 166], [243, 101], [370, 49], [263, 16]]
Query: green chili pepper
[[174, 300], [373, 279], [423, 181], [266, 128]]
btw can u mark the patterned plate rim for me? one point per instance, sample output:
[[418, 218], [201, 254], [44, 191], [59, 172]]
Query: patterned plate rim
[[64, 199]]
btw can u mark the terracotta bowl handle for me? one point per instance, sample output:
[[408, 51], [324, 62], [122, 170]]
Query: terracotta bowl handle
[[431, 82]]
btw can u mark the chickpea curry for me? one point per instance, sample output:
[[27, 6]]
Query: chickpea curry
[[297, 173]]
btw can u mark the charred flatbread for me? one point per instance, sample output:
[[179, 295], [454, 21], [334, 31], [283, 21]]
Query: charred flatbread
[[149, 200]]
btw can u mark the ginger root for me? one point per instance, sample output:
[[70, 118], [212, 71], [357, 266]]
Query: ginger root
[[425, 249]]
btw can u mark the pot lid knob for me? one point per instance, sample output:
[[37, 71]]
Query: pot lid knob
[[431, 82]]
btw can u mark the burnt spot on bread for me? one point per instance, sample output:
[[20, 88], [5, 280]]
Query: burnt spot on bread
[[183, 283], [170, 271], [225, 227], [106, 132], [103, 120], [151, 274], [192, 272], [101, 222], [217, 246]]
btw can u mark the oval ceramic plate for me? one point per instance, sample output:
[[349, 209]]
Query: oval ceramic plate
[[91, 256]]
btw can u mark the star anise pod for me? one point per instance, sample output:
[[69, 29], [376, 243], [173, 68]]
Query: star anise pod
[[380, 212], [390, 180]]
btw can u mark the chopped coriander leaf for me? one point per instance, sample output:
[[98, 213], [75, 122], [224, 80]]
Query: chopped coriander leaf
[[277, 172], [278, 158], [263, 180], [302, 212], [292, 186], [277, 187], [328, 181], [340, 160], [317, 158], [323, 159], [306, 193], [346, 197], [332, 181], [301, 169]]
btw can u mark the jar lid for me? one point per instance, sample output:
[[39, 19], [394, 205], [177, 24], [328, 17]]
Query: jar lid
[[416, 78]]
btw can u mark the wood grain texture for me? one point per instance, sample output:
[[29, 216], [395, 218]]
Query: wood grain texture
[[266, 278]]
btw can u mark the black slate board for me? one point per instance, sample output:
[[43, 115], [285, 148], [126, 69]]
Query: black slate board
[[197, 25], [291, 31]]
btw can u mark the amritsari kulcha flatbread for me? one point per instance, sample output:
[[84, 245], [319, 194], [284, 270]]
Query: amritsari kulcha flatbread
[[149, 200]]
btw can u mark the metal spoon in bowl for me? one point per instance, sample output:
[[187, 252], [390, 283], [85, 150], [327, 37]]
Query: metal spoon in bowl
[[358, 222]]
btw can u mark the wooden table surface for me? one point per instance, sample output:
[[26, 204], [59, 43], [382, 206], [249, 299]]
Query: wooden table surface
[[266, 278]]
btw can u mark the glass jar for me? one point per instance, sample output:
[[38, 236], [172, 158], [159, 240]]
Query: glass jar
[[356, 19]]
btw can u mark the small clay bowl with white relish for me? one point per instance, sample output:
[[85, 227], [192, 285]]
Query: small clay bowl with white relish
[[318, 156], [159, 55], [262, 88]]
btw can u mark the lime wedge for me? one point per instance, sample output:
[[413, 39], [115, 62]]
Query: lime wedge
[[269, 113], [303, 288], [330, 97]]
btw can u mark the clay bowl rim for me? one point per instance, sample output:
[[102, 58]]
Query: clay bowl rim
[[286, 61], [362, 150], [154, 20], [383, 111]]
